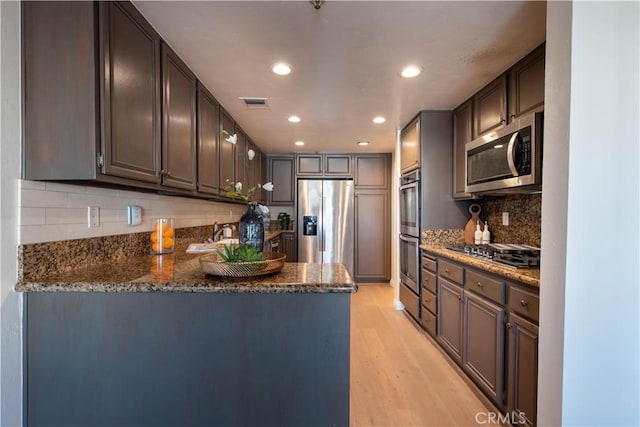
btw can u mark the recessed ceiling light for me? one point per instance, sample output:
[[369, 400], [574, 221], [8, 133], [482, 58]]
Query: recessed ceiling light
[[281, 68], [411, 71], [379, 120], [299, 142], [363, 142], [294, 119]]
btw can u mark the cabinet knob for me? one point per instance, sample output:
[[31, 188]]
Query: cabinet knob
[[524, 303], [512, 116], [508, 325], [503, 121], [480, 285], [446, 270]]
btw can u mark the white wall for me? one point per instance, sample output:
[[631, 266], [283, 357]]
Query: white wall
[[10, 302], [591, 342], [52, 211]]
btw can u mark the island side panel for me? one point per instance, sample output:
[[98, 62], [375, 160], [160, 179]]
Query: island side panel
[[160, 359]]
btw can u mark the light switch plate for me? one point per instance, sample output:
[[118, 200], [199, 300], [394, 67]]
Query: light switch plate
[[505, 218], [93, 216], [134, 215]]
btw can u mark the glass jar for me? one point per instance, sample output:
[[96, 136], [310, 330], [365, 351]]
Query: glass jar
[[163, 237], [252, 227]]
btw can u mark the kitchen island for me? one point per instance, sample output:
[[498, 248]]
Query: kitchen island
[[155, 341]]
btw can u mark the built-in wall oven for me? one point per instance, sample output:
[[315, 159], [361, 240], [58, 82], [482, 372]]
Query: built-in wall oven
[[409, 246]]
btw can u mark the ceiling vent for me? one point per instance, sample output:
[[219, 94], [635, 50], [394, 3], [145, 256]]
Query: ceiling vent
[[254, 103]]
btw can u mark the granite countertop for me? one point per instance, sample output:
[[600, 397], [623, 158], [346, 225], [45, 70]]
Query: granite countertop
[[181, 272], [529, 276]]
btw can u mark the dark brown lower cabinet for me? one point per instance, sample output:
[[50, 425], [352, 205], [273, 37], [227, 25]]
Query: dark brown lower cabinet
[[484, 344], [523, 370], [288, 246], [450, 305]]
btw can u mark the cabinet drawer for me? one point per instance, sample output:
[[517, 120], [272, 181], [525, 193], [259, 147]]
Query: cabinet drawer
[[410, 301], [450, 271], [523, 302], [428, 322], [429, 301], [429, 281], [486, 286], [428, 264]]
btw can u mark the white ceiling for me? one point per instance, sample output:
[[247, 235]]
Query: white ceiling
[[346, 60]]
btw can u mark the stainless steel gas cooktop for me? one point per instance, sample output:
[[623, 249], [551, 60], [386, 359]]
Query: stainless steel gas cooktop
[[509, 254]]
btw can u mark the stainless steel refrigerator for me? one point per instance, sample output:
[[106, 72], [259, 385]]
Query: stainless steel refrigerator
[[325, 221]]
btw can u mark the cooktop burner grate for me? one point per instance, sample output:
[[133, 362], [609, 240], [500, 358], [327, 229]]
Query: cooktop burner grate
[[512, 255]]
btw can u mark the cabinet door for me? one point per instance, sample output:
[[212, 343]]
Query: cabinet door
[[462, 133], [483, 354], [280, 173], [450, 318], [372, 171], [289, 247], [251, 165], [241, 158], [526, 84], [309, 164], [337, 165], [132, 93], [260, 175], [522, 388], [410, 146], [490, 106], [208, 116], [372, 236], [178, 122], [227, 152], [61, 103]]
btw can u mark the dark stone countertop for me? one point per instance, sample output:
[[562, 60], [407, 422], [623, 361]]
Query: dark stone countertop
[[529, 276], [181, 272]]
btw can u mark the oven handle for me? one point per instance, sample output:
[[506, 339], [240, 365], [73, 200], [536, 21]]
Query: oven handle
[[410, 185], [512, 165], [409, 239]]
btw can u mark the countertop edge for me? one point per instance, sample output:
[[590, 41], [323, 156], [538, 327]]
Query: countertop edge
[[506, 272]]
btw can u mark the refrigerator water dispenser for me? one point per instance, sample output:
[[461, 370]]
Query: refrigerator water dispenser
[[310, 225]]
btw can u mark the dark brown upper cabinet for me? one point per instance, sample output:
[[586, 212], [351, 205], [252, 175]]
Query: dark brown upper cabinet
[[241, 158], [372, 171], [526, 84], [281, 173], [227, 148], [77, 128], [208, 130], [490, 106], [462, 133], [410, 146], [336, 165], [178, 122]]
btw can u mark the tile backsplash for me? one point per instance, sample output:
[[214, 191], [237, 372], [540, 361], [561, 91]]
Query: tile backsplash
[[524, 218], [51, 211]]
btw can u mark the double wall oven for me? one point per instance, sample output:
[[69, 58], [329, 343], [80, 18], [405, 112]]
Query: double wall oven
[[410, 242]]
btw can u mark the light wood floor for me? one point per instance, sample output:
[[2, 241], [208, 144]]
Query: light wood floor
[[398, 377]]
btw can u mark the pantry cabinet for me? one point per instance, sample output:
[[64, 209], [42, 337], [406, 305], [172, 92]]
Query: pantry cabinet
[[178, 122]]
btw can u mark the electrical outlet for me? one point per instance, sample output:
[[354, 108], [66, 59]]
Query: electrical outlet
[[93, 216], [134, 215], [505, 218]]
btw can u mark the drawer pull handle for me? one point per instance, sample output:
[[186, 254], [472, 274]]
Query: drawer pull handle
[[446, 270], [524, 303], [480, 285]]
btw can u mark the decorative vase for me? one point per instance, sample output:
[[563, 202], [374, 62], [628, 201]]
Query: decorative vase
[[252, 227]]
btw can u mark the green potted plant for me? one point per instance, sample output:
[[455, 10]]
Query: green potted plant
[[284, 219]]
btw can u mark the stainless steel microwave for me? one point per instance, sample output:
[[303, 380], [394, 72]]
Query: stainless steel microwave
[[508, 160]]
